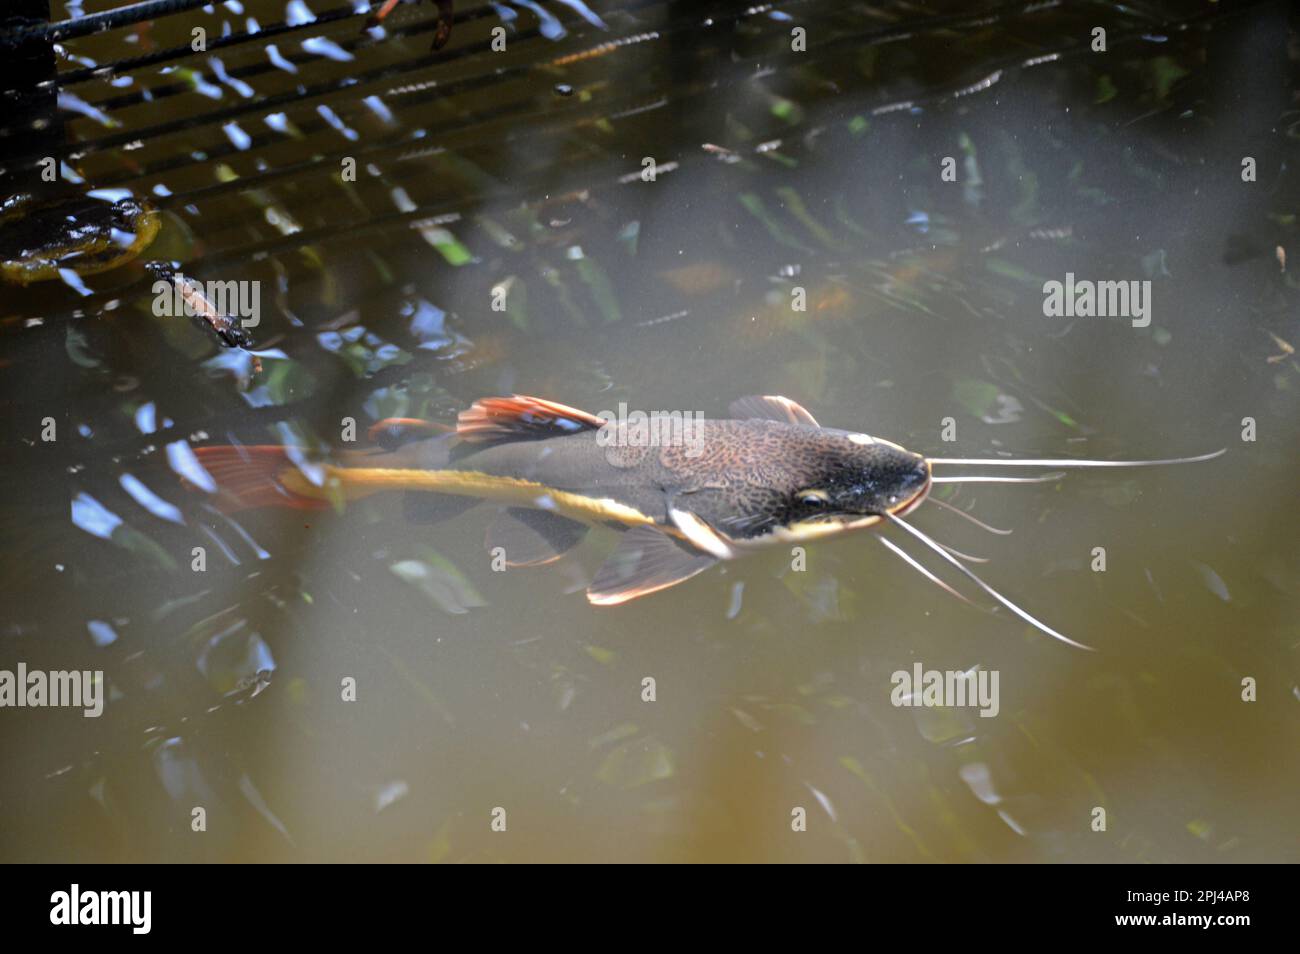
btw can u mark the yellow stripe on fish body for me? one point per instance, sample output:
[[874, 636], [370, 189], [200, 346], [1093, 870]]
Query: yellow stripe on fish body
[[358, 482]]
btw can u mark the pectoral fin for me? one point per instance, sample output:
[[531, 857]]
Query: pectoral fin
[[645, 561], [771, 407], [700, 534], [532, 537]]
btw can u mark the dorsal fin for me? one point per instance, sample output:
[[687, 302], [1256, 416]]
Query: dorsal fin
[[772, 407], [521, 418]]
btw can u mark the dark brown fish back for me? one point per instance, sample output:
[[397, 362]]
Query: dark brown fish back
[[740, 476], [746, 473], [754, 452]]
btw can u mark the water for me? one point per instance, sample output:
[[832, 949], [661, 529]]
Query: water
[[775, 170]]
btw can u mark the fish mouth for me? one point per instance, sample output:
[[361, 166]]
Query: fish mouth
[[918, 498]]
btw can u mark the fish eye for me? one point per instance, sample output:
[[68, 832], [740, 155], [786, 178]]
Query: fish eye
[[812, 498]]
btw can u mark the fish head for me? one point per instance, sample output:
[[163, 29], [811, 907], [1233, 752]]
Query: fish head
[[787, 483], [849, 479], [858, 475]]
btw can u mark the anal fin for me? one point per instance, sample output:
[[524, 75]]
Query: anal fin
[[645, 561], [532, 537], [424, 508]]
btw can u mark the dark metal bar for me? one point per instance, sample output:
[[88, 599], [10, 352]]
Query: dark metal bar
[[95, 22]]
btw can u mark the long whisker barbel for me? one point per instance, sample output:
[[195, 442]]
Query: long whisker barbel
[[915, 565], [933, 545], [1069, 462], [981, 479], [975, 520], [963, 556]]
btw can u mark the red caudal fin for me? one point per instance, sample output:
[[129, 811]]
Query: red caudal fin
[[250, 477], [521, 418]]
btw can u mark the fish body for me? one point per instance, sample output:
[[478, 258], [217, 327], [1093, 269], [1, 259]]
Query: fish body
[[710, 490], [743, 477], [685, 496]]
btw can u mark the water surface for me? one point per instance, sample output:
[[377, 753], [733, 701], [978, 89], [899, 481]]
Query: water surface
[[775, 170]]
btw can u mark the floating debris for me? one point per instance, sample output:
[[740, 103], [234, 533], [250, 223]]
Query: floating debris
[[1287, 350], [227, 328], [77, 233], [441, 31]]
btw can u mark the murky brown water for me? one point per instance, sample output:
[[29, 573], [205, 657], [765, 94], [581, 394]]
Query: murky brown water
[[775, 169]]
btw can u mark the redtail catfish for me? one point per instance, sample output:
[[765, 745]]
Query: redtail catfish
[[769, 474]]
